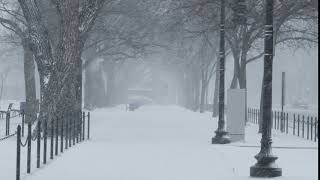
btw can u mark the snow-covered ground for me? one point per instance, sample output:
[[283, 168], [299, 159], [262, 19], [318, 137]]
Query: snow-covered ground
[[162, 143]]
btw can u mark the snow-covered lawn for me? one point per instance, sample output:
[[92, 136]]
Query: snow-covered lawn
[[163, 143]]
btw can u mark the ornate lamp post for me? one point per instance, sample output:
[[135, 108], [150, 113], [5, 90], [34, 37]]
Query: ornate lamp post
[[266, 167], [221, 134]]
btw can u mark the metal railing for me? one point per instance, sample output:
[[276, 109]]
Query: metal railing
[[302, 125], [62, 133]]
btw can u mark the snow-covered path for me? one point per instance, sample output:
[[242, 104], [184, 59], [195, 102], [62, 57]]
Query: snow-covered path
[[168, 143]]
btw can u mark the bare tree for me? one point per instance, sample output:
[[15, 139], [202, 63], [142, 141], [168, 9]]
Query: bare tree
[[60, 67], [13, 21]]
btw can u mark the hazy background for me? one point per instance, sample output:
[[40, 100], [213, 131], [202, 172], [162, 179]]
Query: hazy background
[[301, 67]]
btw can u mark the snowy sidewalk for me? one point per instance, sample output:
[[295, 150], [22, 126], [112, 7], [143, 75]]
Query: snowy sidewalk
[[165, 143]]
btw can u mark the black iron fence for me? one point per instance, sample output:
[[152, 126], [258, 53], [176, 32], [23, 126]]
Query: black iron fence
[[62, 135], [8, 119], [302, 125]]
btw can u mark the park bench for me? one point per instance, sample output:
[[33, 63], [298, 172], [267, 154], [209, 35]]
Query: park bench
[[132, 106]]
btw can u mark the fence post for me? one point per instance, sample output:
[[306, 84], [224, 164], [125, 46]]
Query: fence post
[[311, 129], [315, 129], [272, 124], [66, 136], [80, 127], [298, 124], [275, 119], [29, 149], [73, 130], [22, 123], [18, 152], [282, 120], [8, 123], [294, 124], [278, 123], [88, 125], [303, 126], [77, 129], [258, 116], [51, 143], [38, 143], [308, 123], [287, 131], [84, 125], [57, 137], [69, 133], [61, 136], [45, 135]]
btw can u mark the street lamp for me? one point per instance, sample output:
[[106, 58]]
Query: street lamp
[[221, 134], [266, 166]]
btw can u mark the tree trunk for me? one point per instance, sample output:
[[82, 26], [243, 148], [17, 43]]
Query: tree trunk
[[236, 66], [30, 85], [203, 92], [196, 89], [110, 72]]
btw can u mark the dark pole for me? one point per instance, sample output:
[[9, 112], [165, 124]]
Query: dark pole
[[282, 101], [38, 143], [61, 137], [29, 149], [221, 134], [18, 152], [51, 142], [45, 142], [266, 166], [88, 133], [22, 124], [84, 125]]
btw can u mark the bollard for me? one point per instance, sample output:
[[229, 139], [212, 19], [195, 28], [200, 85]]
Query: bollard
[[38, 144], [45, 135], [88, 125], [51, 143], [57, 137], [29, 149], [18, 152], [22, 123]]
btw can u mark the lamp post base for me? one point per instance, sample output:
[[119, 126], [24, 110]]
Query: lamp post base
[[265, 167], [221, 138]]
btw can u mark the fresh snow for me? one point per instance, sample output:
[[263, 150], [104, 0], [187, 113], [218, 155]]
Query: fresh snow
[[162, 143]]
